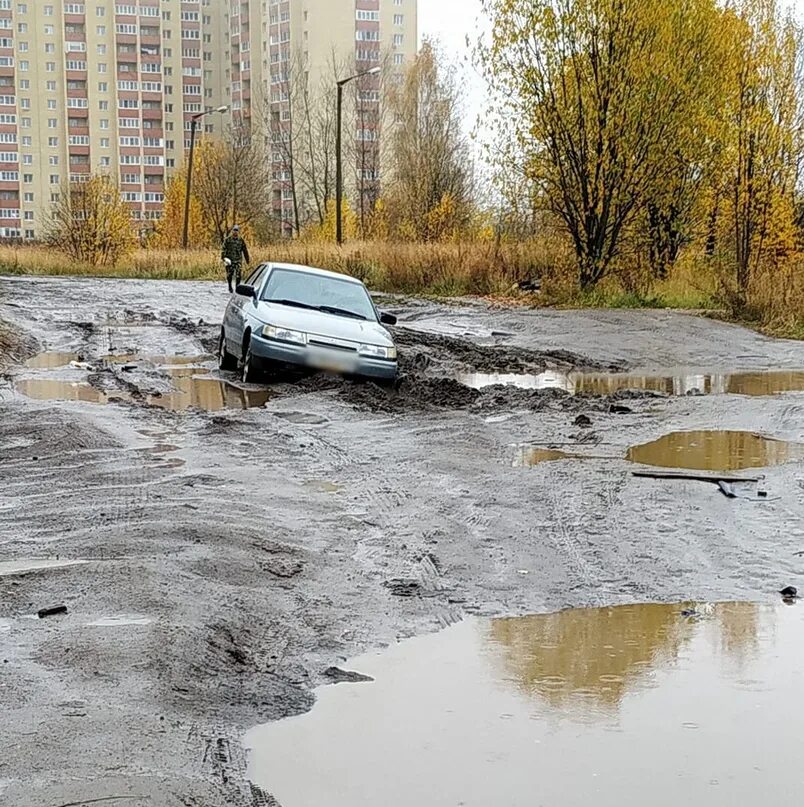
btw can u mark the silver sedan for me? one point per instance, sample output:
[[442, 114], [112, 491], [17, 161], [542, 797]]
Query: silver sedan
[[284, 314]]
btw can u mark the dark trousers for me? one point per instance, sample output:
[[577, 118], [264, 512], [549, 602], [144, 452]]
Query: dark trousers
[[233, 271]]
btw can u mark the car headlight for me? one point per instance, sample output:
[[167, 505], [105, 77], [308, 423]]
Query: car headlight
[[377, 351], [284, 334]]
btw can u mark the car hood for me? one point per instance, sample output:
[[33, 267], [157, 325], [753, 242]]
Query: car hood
[[320, 323]]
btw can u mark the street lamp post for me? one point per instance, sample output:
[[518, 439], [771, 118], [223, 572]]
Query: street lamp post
[[193, 123], [338, 156]]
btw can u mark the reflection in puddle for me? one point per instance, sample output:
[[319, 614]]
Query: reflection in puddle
[[22, 566], [55, 359], [47, 389], [551, 379], [715, 451], [575, 708], [50, 361], [753, 383], [160, 360], [208, 394], [527, 456]]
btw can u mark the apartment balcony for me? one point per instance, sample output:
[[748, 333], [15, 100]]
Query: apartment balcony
[[152, 114], [79, 151]]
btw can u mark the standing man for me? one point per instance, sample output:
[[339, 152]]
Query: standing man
[[235, 249]]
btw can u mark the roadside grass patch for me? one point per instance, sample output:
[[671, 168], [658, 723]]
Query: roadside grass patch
[[490, 269]]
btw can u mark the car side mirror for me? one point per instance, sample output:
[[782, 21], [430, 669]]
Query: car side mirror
[[245, 291], [387, 319]]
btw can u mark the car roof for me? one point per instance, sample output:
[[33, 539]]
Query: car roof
[[312, 270]]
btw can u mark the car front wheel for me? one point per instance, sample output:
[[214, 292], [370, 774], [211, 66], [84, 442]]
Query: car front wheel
[[250, 370], [226, 361]]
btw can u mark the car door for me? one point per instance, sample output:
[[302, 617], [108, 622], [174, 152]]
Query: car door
[[238, 311]]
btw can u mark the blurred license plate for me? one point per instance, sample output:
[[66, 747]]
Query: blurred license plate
[[331, 362]]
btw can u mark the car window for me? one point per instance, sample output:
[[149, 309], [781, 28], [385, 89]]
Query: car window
[[308, 290], [254, 278]]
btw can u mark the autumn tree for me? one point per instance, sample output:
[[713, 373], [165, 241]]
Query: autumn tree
[[229, 187], [90, 223], [430, 184], [230, 182], [593, 95], [170, 228], [765, 118]]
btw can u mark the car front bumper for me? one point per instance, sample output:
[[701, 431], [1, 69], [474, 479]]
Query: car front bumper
[[333, 360]]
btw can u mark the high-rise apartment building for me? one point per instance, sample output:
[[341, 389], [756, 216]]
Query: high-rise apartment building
[[110, 87], [304, 46], [100, 87]]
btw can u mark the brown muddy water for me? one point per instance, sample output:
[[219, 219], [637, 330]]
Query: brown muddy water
[[695, 450], [771, 382], [642, 704], [715, 451], [193, 389], [50, 361], [207, 394], [528, 456]]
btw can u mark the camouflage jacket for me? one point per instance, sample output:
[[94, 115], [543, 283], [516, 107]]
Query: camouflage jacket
[[235, 250]]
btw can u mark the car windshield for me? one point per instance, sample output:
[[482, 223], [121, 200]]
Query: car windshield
[[318, 292]]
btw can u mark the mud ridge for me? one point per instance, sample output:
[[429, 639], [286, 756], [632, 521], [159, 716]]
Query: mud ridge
[[419, 350]]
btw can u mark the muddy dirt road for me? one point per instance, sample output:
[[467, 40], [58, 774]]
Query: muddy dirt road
[[234, 543]]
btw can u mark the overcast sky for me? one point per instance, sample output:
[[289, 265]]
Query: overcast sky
[[451, 20]]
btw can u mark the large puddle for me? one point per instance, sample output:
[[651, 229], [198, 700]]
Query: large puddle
[[715, 451], [772, 382], [193, 388], [650, 704], [191, 392], [695, 450]]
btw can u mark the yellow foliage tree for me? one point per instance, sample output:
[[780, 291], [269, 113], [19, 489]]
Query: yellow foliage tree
[[765, 122], [228, 188], [327, 230], [379, 224], [592, 94], [91, 223], [170, 229], [441, 222]]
